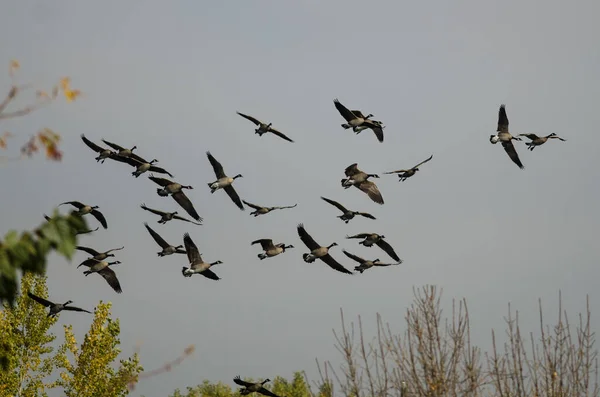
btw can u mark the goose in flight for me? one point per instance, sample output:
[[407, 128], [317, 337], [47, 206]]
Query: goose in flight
[[539, 140], [405, 174], [506, 138], [263, 128], [355, 119], [224, 182], [55, 308], [84, 209], [319, 252]]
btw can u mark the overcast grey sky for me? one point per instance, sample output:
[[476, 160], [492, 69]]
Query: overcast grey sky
[[169, 77]]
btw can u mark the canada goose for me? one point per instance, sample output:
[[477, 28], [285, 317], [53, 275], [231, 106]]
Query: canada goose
[[539, 140], [167, 216], [374, 238], [264, 128], [103, 153], [356, 119], [169, 187], [84, 209], [506, 138], [253, 387], [319, 252], [270, 248], [405, 174], [103, 269], [47, 218], [347, 214], [224, 182], [122, 152], [167, 249], [197, 264], [142, 165], [55, 308], [264, 210], [96, 256], [365, 264], [359, 179]]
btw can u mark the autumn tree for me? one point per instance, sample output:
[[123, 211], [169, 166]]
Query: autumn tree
[[90, 372], [434, 357], [26, 342]]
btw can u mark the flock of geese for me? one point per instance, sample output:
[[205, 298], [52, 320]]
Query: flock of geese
[[354, 177]]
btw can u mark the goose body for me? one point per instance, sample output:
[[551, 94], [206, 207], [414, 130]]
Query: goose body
[[224, 182], [103, 269], [370, 239], [249, 387], [359, 179], [84, 209], [367, 264], [123, 152], [168, 187], [405, 174], [103, 153], [319, 252], [358, 122], [168, 216], [167, 249], [270, 248], [505, 137], [196, 264], [55, 308], [347, 215], [539, 140], [263, 128], [260, 210], [96, 256]]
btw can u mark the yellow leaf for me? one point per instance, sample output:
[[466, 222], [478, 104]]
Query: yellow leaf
[[71, 95], [65, 82], [14, 65]]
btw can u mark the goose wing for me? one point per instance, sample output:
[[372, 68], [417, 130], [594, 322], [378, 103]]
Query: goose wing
[[366, 215], [332, 263], [157, 212], [359, 235], [75, 309], [530, 136], [351, 169], [372, 191], [344, 111], [306, 238], [234, 196], [128, 160], [192, 251], [266, 243], [354, 257], [39, 300], [266, 392], [358, 113], [159, 240], [100, 217], [47, 218], [256, 207], [90, 251], [160, 181], [91, 144], [335, 204], [187, 220], [87, 231], [88, 262], [423, 162], [286, 206], [159, 169], [209, 274], [378, 130], [254, 120], [509, 148], [113, 145], [396, 172], [241, 382], [280, 134], [217, 167], [384, 245], [186, 204], [76, 204], [502, 119], [387, 264], [111, 278]]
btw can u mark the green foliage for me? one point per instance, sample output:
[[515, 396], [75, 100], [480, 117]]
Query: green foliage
[[27, 252], [25, 341], [297, 387], [91, 373]]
